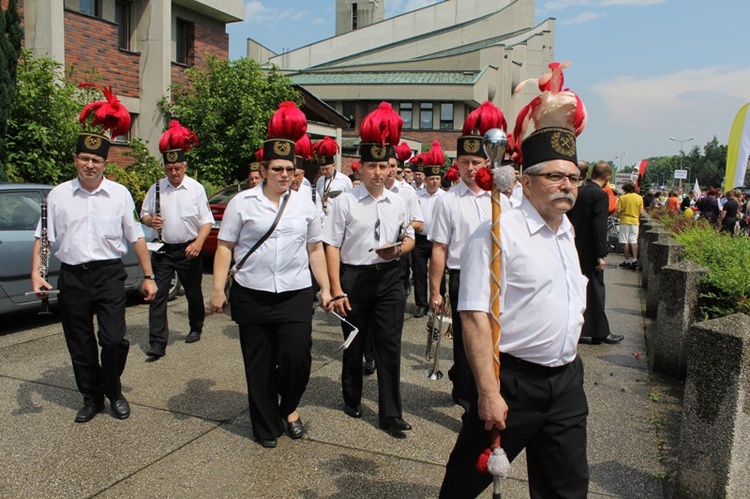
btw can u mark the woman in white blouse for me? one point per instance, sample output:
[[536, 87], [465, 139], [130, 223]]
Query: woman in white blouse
[[270, 298]]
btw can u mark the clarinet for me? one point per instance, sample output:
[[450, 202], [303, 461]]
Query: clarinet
[[157, 209], [44, 252]]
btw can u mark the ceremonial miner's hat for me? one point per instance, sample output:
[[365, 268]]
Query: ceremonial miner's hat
[[175, 142], [432, 160], [287, 126], [325, 150], [109, 116], [483, 118], [380, 131], [558, 115]]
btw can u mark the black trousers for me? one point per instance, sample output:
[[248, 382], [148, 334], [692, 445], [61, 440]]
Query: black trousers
[[547, 411], [190, 272], [277, 361], [378, 302], [98, 289], [595, 323], [419, 262], [464, 390]]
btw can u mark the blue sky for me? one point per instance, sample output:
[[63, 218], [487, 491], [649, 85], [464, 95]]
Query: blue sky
[[647, 70]]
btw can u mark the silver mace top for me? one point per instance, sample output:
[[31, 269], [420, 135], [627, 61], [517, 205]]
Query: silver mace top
[[495, 142]]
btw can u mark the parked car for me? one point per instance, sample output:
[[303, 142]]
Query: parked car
[[20, 208], [218, 203]]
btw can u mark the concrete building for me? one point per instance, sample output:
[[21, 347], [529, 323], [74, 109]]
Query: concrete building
[[139, 47], [435, 64]]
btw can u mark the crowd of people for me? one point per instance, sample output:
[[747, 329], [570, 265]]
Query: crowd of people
[[304, 233]]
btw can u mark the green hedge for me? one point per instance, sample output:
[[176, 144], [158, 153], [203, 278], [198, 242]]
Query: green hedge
[[726, 288]]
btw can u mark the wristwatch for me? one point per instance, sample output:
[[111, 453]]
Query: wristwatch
[[149, 276]]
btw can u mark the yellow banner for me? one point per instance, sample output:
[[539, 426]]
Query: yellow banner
[[738, 149]]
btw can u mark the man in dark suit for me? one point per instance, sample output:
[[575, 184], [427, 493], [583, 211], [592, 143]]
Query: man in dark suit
[[589, 218]]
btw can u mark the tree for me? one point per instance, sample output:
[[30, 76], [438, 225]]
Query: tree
[[11, 34], [43, 126], [228, 105]]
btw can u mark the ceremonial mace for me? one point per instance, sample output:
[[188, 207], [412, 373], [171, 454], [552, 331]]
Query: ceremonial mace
[[495, 142]]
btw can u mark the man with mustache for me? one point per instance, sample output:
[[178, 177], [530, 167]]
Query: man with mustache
[[541, 405]]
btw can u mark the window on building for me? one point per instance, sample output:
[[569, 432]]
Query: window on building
[[183, 41], [122, 18], [425, 116], [347, 109], [354, 16], [406, 110], [88, 7], [446, 116]]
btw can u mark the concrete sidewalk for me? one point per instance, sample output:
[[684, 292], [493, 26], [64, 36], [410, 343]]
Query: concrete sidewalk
[[189, 433]]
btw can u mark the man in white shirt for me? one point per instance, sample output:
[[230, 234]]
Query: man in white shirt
[[331, 182], [455, 216], [541, 406], [422, 253], [367, 231], [91, 218], [419, 177], [179, 210]]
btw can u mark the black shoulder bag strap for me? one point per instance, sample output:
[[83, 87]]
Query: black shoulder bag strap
[[266, 235]]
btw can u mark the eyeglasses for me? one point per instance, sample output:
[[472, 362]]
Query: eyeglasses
[[377, 230], [557, 177], [94, 161], [279, 169]]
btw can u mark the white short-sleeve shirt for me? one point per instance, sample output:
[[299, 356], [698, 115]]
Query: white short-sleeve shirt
[[427, 203], [543, 293], [455, 216], [337, 183], [184, 209], [281, 263], [357, 218], [91, 226], [415, 210]]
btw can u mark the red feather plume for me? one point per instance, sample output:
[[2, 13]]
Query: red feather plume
[[403, 152], [452, 174], [177, 137], [435, 156], [326, 147], [382, 126], [110, 115], [303, 147], [483, 178], [355, 167], [259, 155], [485, 117], [288, 122]]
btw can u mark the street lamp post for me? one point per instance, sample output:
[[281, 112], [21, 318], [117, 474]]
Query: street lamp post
[[682, 153]]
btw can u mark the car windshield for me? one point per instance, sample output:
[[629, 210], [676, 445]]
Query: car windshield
[[227, 193]]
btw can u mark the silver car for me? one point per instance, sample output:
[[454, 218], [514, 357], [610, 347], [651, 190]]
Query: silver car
[[19, 214]]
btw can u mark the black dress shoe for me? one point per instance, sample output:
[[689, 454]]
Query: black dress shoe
[[612, 339], [353, 412], [585, 340], [193, 336], [155, 353], [295, 429], [420, 311], [395, 423], [395, 427], [268, 443], [369, 367], [88, 412], [120, 408]]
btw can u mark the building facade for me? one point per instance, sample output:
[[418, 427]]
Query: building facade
[[435, 64], [139, 47]]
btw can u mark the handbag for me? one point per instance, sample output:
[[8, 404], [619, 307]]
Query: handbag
[[233, 270]]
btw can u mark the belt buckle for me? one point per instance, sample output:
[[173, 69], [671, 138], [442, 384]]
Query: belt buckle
[[84, 266], [379, 266]]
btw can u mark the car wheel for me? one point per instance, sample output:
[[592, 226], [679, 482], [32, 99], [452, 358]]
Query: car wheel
[[174, 287]]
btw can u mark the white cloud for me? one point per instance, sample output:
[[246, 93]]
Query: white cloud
[[639, 115], [583, 17], [637, 3], [319, 20], [257, 12], [566, 4]]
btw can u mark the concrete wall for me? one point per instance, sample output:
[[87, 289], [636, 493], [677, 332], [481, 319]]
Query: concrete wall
[[436, 17]]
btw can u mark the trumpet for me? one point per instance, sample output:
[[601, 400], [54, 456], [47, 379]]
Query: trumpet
[[435, 324]]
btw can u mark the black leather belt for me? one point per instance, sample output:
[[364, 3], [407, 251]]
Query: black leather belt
[[177, 246], [91, 265], [373, 266], [524, 365]]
